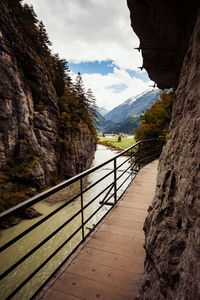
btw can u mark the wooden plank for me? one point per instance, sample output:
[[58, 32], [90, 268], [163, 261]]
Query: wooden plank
[[127, 231], [129, 223], [88, 289], [123, 215], [119, 246], [113, 260], [105, 274], [109, 266], [58, 295], [131, 204], [130, 211]]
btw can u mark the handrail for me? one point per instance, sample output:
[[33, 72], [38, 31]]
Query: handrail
[[138, 154], [60, 186]]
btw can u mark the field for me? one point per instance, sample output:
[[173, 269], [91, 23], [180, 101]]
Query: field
[[112, 142]]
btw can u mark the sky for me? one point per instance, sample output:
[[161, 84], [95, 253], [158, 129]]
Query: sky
[[96, 38]]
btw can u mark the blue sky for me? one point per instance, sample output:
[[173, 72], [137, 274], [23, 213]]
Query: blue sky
[[104, 68], [96, 39]]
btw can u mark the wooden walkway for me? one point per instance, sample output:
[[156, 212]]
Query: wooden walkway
[[109, 266]]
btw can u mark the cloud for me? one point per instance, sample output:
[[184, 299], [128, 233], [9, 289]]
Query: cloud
[[104, 87], [96, 30], [89, 30]]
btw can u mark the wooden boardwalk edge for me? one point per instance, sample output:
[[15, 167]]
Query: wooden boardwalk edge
[[109, 264]]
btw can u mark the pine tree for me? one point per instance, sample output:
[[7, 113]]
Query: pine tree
[[79, 86], [91, 104]]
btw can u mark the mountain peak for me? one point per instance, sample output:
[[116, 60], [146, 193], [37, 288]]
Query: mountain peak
[[134, 98], [133, 106]]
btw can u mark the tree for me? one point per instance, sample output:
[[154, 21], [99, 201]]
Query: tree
[[79, 86], [155, 121]]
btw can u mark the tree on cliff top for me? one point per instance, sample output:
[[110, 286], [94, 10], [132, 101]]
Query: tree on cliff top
[[155, 120]]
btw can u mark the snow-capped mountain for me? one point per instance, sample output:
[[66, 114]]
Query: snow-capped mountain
[[133, 106], [103, 111]]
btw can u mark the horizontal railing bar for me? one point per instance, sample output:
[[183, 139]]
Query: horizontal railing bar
[[124, 161], [42, 265], [144, 152], [96, 182], [94, 213], [125, 189], [32, 251], [51, 276], [124, 182], [53, 190], [107, 203], [21, 235], [112, 195], [97, 196], [60, 186], [124, 172], [107, 193], [150, 156]]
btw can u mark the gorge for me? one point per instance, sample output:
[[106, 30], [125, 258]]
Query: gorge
[[43, 135]]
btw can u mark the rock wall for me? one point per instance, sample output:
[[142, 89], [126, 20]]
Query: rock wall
[[172, 228], [25, 127], [164, 29]]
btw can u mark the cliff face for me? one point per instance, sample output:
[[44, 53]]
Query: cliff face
[[172, 228], [29, 113], [164, 29]]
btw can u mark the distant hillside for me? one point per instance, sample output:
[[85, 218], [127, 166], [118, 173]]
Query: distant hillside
[[103, 111], [127, 126], [133, 106], [102, 123]]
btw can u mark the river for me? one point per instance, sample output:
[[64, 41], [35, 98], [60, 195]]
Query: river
[[16, 251]]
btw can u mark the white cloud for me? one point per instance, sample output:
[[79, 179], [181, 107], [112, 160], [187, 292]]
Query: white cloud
[[103, 87], [95, 30], [89, 30]]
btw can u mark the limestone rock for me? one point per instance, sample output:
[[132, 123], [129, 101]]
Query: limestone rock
[[172, 228], [24, 84], [164, 29]]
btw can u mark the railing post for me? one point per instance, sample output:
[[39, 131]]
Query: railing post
[[82, 216], [139, 152], [115, 180]]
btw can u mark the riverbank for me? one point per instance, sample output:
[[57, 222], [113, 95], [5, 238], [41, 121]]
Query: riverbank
[[114, 144]]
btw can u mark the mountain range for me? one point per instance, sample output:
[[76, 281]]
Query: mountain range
[[126, 116], [133, 106]]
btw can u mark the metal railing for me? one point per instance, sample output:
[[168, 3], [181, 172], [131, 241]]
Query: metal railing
[[114, 182]]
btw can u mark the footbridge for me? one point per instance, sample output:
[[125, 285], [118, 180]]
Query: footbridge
[[91, 245]]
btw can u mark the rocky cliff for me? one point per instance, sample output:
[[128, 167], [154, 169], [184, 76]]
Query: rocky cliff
[[30, 136], [172, 228]]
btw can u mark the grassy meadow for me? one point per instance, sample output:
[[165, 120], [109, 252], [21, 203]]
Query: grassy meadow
[[112, 142]]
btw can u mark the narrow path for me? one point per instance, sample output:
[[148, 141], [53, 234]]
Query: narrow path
[[109, 266]]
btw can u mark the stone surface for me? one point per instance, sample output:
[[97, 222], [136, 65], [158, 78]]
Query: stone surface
[[164, 29], [172, 228], [24, 83]]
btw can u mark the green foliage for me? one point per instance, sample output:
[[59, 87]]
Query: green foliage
[[76, 106], [155, 121], [114, 143], [15, 180], [74, 113]]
